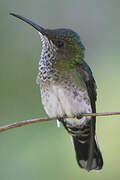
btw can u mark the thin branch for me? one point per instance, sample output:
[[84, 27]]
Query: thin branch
[[26, 122]]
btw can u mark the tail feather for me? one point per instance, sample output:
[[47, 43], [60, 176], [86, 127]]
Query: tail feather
[[88, 154], [84, 159]]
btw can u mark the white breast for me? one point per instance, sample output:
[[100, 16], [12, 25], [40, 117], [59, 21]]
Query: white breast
[[58, 101]]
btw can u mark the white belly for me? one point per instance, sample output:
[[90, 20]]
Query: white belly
[[58, 101]]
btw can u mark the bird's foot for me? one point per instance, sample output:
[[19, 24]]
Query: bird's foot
[[61, 119], [79, 116]]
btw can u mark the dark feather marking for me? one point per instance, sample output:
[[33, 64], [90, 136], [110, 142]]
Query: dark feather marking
[[91, 88]]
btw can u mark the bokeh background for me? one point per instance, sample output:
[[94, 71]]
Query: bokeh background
[[42, 151]]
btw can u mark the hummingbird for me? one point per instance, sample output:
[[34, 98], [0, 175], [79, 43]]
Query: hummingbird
[[68, 88]]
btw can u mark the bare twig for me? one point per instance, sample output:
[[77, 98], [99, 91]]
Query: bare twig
[[26, 122]]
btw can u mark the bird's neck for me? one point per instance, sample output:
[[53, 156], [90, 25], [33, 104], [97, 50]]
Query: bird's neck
[[50, 69], [52, 75]]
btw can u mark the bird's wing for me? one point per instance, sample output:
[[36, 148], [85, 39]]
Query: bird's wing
[[90, 83], [91, 88]]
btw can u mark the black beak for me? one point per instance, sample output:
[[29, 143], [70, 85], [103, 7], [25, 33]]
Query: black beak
[[36, 26]]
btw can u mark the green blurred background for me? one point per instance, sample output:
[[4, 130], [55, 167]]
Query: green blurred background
[[42, 151]]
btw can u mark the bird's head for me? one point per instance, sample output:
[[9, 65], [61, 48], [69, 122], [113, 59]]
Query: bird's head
[[63, 46]]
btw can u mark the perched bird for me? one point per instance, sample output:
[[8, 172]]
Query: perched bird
[[68, 88]]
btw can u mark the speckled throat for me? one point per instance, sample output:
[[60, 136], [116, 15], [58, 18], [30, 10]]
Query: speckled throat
[[48, 57]]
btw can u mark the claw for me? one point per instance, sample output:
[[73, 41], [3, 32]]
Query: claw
[[59, 120], [79, 116]]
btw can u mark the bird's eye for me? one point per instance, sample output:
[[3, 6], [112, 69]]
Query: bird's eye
[[59, 44]]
